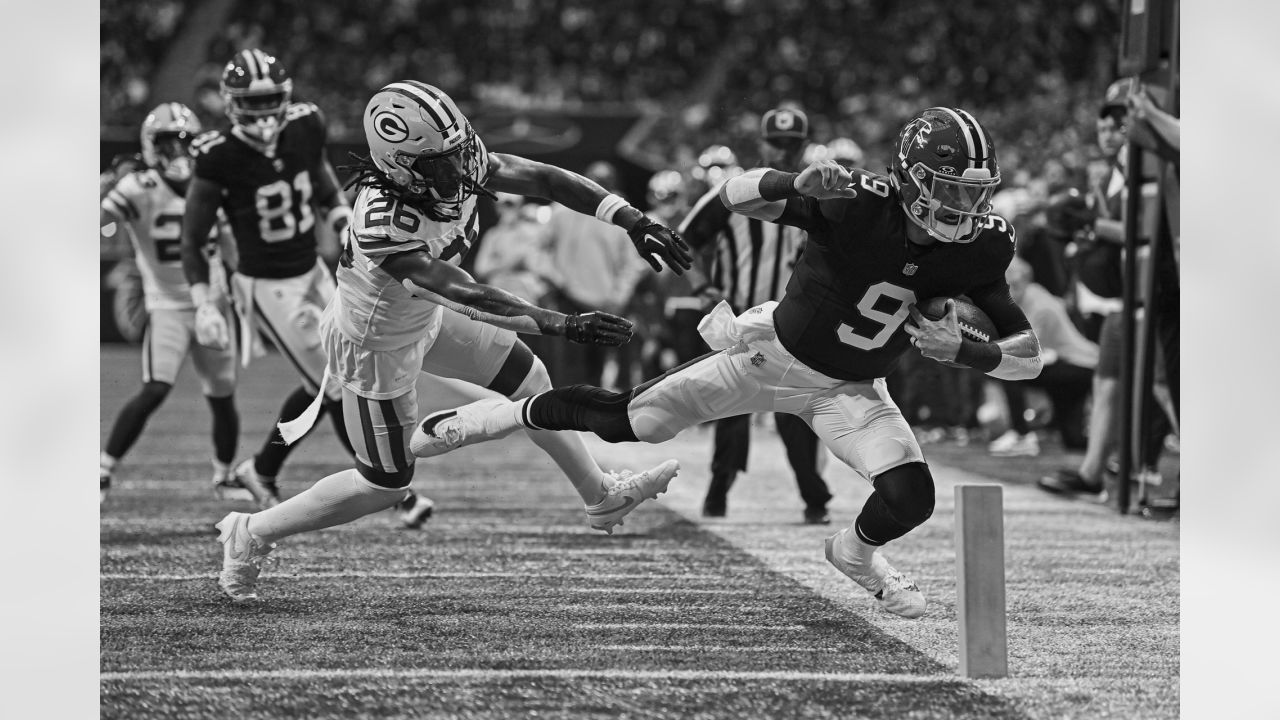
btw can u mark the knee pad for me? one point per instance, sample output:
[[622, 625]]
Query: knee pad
[[907, 491], [382, 478], [153, 393]]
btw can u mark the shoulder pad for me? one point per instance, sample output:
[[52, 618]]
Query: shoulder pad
[[206, 142]]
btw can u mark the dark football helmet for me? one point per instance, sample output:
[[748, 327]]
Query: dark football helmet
[[946, 173], [257, 91]]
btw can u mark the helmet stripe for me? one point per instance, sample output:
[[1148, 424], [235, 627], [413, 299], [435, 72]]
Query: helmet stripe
[[438, 111], [967, 133], [439, 97], [980, 137], [251, 64]]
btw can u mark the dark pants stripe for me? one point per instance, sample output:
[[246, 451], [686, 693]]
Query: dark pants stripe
[[395, 433], [370, 439], [513, 371], [312, 382]]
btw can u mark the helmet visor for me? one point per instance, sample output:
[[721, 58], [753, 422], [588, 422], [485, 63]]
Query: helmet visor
[[444, 174], [172, 145], [955, 198], [260, 105]]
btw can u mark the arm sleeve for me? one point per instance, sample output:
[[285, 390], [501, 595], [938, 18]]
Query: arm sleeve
[[746, 195], [994, 299]]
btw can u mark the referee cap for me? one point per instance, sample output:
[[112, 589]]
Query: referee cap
[[781, 123]]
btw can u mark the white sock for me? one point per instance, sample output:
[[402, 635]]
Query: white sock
[[569, 451], [854, 550], [221, 470], [106, 464], [333, 500]]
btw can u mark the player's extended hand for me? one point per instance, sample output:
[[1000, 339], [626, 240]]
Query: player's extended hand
[[824, 180], [654, 240], [936, 339], [597, 328], [211, 327]]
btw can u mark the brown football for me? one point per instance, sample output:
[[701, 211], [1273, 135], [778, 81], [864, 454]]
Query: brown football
[[974, 324]]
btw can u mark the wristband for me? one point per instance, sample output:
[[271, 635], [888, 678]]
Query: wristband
[[609, 207], [778, 185], [984, 356]]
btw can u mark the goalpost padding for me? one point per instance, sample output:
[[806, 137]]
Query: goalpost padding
[[980, 581]]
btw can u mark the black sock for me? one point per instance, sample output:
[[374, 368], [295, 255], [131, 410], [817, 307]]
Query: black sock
[[226, 427], [274, 450], [875, 525], [582, 408], [133, 417]]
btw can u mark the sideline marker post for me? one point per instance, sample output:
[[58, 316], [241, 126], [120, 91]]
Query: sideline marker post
[[980, 597]]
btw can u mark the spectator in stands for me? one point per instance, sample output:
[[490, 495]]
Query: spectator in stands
[[594, 267], [513, 256], [1100, 291], [1069, 360]]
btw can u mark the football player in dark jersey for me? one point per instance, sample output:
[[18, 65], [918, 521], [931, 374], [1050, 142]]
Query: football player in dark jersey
[[270, 175], [877, 245]]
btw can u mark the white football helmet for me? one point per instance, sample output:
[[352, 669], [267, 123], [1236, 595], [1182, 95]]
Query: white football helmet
[[257, 91], [167, 133], [424, 145]]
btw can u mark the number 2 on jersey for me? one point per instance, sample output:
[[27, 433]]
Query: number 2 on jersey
[[275, 204], [890, 321]]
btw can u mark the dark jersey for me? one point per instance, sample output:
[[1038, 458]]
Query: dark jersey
[[269, 200], [848, 299]]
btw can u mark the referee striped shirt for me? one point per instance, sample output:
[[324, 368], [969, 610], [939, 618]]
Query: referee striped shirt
[[752, 259]]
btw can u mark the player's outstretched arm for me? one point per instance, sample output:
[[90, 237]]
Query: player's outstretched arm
[[653, 240], [203, 198], [762, 193], [452, 287]]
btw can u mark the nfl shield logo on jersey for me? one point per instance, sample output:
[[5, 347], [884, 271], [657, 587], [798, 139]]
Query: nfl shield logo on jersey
[[757, 359]]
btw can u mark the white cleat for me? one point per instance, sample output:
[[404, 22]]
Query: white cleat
[[228, 487], [447, 430], [415, 510], [262, 488], [242, 558], [896, 592], [624, 491]]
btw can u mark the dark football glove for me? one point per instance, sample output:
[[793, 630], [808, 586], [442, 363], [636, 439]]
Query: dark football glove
[[597, 328], [654, 240]]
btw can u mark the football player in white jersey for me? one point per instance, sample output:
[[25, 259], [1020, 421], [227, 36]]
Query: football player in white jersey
[[404, 306], [147, 206]]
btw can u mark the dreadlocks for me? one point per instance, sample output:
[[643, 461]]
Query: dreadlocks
[[366, 174]]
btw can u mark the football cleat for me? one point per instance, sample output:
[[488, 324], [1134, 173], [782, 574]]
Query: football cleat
[[262, 488], [226, 486], [624, 491], [447, 430], [1012, 444], [896, 592], [104, 485], [414, 510], [243, 556]]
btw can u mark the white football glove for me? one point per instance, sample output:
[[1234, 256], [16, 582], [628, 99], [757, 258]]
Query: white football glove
[[211, 327]]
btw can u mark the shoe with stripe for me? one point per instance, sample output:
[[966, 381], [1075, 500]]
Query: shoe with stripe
[[243, 557], [624, 491], [896, 592], [447, 430]]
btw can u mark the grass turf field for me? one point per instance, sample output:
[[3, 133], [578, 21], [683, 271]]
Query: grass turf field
[[507, 605]]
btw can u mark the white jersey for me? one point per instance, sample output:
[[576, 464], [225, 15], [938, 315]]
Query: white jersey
[[152, 215], [372, 308]]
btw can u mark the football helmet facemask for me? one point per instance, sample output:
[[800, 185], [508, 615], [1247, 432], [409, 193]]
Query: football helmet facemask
[[424, 145], [167, 133], [946, 173], [257, 92]]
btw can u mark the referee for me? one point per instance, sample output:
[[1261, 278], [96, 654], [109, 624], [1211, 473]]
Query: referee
[[750, 263]]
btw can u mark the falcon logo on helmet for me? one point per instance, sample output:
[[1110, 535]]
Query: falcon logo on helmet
[[257, 91], [167, 133], [946, 173], [424, 147]]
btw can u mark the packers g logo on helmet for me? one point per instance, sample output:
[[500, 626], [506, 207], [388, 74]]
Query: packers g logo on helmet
[[390, 127], [166, 137]]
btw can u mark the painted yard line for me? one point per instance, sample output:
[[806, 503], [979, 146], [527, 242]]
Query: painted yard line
[[720, 648], [688, 626], [432, 575], [483, 674]]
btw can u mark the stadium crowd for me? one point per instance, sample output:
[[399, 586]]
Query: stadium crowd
[[703, 71]]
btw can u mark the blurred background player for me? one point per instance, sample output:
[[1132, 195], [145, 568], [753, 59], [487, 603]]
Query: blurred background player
[[270, 175], [752, 262], [404, 306], [146, 205]]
